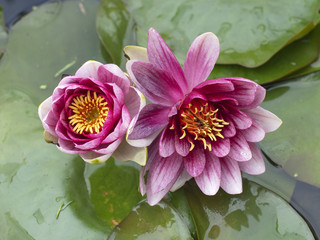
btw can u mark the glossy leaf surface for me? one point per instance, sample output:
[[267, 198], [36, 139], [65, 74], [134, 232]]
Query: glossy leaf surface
[[48, 194], [254, 214], [3, 33], [146, 222], [55, 39], [295, 145], [250, 32], [289, 59]]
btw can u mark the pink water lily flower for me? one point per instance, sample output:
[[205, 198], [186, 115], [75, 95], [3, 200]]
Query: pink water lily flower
[[89, 114], [195, 128]]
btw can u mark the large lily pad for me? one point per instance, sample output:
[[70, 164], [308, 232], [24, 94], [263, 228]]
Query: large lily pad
[[295, 145], [255, 214], [250, 32], [115, 28], [146, 222], [3, 33], [55, 39], [289, 59], [48, 194]]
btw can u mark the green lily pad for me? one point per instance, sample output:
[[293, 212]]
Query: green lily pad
[[3, 33], [115, 28], [47, 192], [255, 214], [289, 59], [145, 222], [313, 67], [113, 189], [42, 186], [295, 145], [250, 32], [54, 39]]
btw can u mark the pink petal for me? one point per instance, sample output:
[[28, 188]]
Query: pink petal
[[182, 145], [244, 91], [256, 164], [229, 130], [195, 161], [231, 180], [255, 133], [209, 180], [167, 140], [267, 120], [44, 108], [161, 57], [239, 148], [260, 94], [221, 148], [134, 101], [113, 74], [151, 118], [68, 147], [108, 149], [154, 198], [213, 86], [156, 84], [239, 118], [163, 171], [89, 145], [201, 58], [153, 151], [89, 70], [182, 179], [95, 158]]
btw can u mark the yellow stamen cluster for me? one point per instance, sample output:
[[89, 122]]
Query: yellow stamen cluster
[[200, 120], [89, 113]]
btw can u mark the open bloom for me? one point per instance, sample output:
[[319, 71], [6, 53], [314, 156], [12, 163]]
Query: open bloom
[[89, 114], [195, 128]]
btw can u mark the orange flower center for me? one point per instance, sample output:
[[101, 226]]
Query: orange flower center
[[201, 121], [89, 113]]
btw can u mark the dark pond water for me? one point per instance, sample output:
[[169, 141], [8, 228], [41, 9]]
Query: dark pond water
[[305, 198]]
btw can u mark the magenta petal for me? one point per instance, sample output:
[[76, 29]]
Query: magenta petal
[[195, 161], [182, 145], [134, 101], [156, 84], [267, 120], [209, 180], [166, 146], [229, 130], [260, 94], [163, 171], [255, 133], [256, 164], [201, 58], [161, 57], [240, 119], [239, 149], [231, 180], [214, 86], [244, 91], [113, 74], [151, 118], [153, 151], [221, 148]]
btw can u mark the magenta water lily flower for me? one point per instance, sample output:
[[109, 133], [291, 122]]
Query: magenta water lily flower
[[195, 128], [89, 114]]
